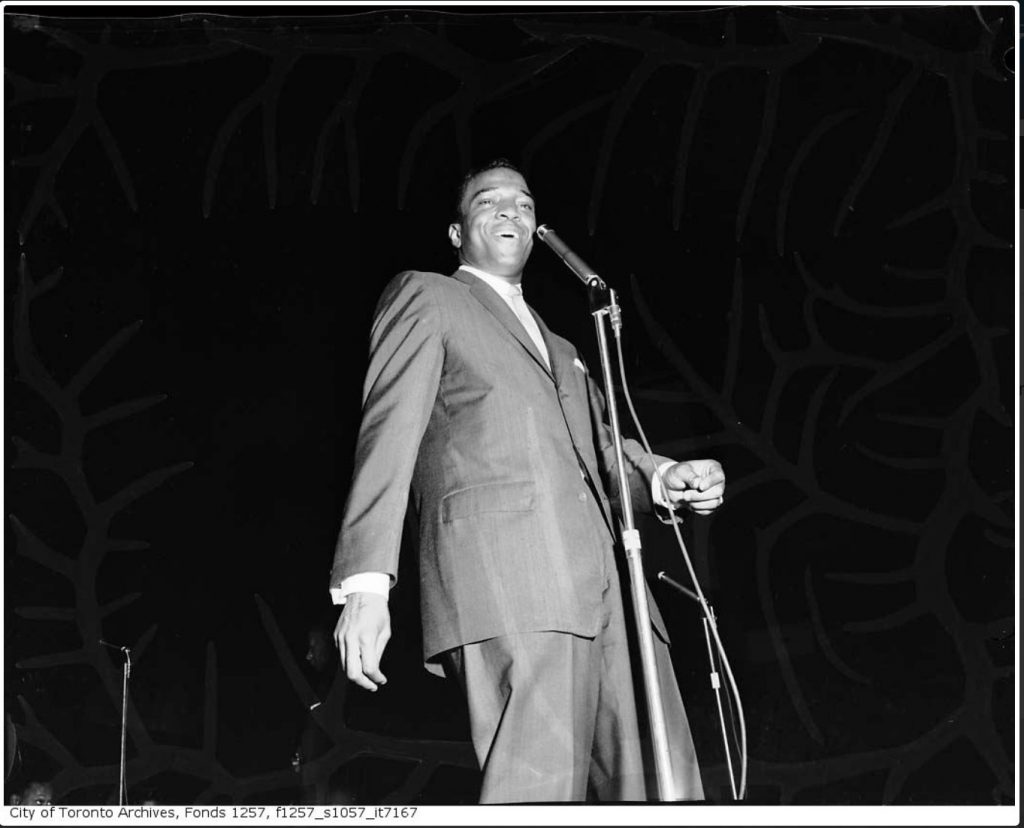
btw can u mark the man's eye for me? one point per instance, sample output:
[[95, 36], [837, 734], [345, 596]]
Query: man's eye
[[526, 205], [484, 201]]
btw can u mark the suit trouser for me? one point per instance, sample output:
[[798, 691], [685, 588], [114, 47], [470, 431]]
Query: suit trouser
[[551, 712]]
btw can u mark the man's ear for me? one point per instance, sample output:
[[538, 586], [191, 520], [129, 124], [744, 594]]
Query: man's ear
[[15, 799], [455, 234]]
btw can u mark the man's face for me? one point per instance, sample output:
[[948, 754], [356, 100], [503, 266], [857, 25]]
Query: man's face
[[496, 231], [37, 793], [319, 652]]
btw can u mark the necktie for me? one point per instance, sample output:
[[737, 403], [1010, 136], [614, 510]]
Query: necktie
[[519, 306]]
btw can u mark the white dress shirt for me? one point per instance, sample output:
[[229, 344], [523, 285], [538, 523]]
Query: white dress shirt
[[379, 583]]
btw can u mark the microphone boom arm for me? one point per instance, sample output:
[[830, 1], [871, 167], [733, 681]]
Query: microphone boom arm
[[584, 271]]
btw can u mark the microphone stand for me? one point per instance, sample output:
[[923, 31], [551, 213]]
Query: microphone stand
[[604, 306], [123, 777]]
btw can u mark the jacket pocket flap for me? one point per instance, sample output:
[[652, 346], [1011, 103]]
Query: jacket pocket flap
[[515, 496]]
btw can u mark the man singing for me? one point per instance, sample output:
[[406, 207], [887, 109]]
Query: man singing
[[492, 425]]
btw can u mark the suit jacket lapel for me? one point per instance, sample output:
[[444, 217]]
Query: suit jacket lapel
[[503, 313]]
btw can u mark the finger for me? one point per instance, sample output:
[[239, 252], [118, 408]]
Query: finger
[[371, 663], [354, 670], [690, 479], [714, 493], [715, 478], [679, 475], [694, 497], [708, 506]]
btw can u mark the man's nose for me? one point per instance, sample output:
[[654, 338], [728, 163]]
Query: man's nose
[[508, 210]]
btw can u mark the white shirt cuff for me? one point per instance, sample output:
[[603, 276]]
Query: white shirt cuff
[[376, 582], [659, 499]]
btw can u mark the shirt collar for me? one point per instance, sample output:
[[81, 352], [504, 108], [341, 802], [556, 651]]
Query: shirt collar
[[501, 286]]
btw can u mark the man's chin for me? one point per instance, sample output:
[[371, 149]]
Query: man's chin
[[500, 266], [509, 270], [513, 260]]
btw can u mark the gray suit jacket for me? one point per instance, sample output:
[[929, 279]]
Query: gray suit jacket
[[461, 413]]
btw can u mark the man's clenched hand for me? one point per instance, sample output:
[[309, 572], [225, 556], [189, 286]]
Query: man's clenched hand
[[700, 484]]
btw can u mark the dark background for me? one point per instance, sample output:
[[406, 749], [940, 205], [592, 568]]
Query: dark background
[[809, 216]]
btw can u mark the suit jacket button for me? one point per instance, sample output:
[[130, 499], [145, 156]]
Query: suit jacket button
[[583, 497]]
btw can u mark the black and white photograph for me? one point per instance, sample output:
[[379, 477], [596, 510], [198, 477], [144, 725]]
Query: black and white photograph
[[536, 404]]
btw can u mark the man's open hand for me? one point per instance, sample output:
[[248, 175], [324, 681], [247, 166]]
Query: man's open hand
[[362, 632]]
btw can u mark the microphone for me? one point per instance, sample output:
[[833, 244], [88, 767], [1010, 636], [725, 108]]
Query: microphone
[[574, 262]]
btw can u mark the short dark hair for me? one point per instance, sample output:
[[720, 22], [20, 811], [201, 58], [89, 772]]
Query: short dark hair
[[494, 164]]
